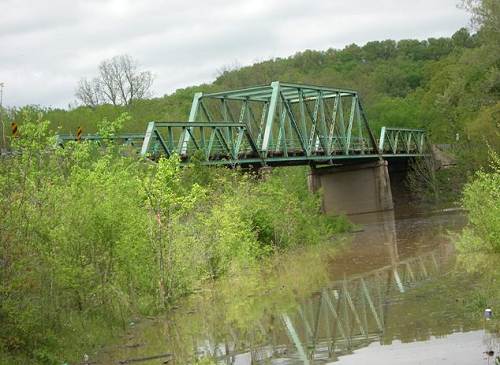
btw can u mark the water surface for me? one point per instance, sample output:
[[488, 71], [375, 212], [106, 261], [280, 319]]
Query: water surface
[[394, 292]]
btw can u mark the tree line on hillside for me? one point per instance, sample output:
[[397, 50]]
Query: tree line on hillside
[[450, 86]]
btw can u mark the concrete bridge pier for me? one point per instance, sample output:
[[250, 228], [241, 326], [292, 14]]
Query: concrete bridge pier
[[353, 189]]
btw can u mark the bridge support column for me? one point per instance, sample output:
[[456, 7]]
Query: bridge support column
[[353, 189]]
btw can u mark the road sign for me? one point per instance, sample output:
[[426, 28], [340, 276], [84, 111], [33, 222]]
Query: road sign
[[15, 131]]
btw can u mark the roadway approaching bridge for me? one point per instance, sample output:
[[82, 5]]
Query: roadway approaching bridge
[[284, 124]]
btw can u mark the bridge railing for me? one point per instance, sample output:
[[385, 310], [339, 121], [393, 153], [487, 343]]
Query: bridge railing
[[122, 138], [232, 143], [397, 141]]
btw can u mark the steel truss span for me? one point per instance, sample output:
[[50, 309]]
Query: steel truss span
[[277, 124]]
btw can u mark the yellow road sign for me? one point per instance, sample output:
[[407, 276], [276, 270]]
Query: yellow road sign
[[79, 132], [15, 131]]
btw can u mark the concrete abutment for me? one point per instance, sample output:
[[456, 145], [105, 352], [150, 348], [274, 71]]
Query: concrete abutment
[[353, 189]]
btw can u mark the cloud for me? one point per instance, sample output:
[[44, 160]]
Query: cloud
[[48, 45]]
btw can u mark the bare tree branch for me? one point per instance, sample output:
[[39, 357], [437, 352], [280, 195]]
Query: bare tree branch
[[88, 92], [120, 83]]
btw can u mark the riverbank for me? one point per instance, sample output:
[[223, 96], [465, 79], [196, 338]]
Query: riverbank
[[92, 236], [395, 287]]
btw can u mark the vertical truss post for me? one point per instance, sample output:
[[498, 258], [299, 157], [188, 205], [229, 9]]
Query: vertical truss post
[[303, 127], [316, 134], [147, 139], [192, 117], [270, 118], [396, 142], [421, 143], [340, 108], [381, 140], [360, 130], [408, 143], [322, 126]]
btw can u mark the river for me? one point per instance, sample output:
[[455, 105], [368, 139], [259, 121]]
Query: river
[[393, 292]]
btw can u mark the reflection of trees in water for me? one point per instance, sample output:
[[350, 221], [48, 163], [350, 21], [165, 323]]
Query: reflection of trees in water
[[259, 316], [341, 317]]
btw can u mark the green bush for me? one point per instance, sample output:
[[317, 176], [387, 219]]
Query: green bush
[[92, 235], [481, 198]]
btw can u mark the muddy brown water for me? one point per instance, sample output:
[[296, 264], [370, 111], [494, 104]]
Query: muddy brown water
[[394, 292]]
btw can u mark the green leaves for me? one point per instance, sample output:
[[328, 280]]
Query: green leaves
[[107, 128], [481, 198]]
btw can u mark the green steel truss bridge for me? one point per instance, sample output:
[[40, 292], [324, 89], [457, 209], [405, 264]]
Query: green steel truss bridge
[[274, 125]]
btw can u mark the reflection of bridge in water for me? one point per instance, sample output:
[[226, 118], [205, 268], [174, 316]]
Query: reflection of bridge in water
[[351, 313], [346, 315]]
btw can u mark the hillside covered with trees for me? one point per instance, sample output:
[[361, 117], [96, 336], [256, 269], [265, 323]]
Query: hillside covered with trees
[[450, 86]]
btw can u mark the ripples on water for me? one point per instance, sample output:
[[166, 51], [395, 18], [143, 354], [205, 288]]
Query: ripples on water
[[394, 293]]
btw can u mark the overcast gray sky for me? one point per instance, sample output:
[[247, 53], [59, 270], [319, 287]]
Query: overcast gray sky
[[46, 46]]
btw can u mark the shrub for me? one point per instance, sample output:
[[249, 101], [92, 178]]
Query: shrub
[[481, 198]]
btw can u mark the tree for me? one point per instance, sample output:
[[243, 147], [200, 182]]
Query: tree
[[119, 82], [89, 92], [485, 15], [462, 38]]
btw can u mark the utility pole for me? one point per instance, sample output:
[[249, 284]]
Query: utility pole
[[1, 115]]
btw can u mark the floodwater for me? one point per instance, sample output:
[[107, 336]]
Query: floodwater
[[393, 292]]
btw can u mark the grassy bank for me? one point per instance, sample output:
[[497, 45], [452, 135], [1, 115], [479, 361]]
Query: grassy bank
[[90, 236]]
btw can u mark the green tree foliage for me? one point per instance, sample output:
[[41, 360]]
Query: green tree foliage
[[482, 200], [90, 235], [485, 16]]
